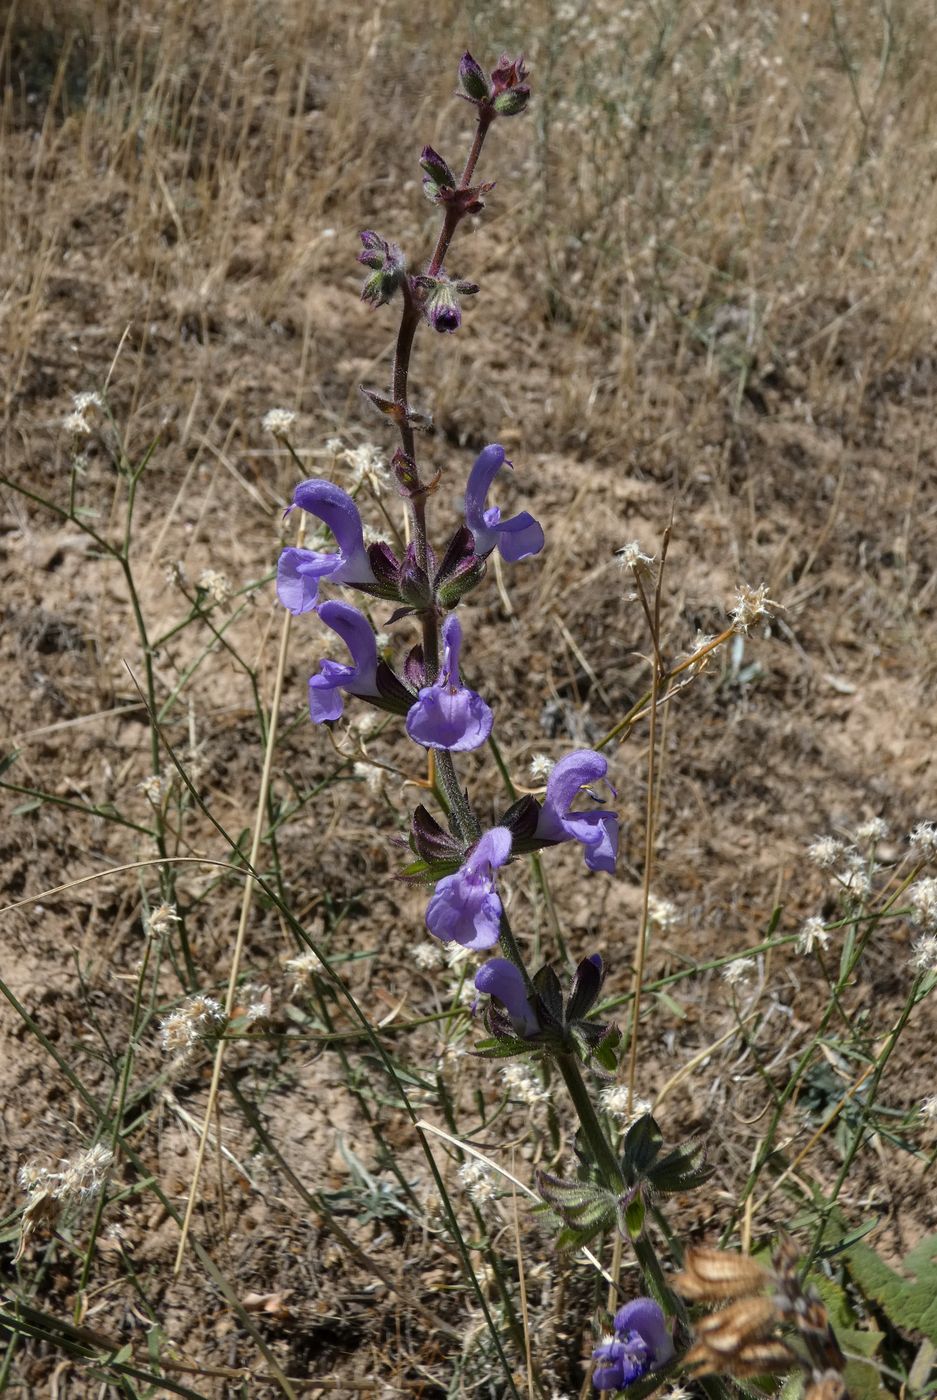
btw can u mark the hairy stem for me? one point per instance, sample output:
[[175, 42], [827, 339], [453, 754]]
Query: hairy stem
[[592, 1129]]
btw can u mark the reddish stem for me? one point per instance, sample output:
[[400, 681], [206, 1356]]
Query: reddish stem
[[402, 352]]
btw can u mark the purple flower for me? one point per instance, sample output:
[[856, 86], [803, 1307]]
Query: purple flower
[[325, 698], [299, 570], [447, 715], [441, 297], [504, 981], [517, 538], [641, 1343], [596, 831], [465, 907]]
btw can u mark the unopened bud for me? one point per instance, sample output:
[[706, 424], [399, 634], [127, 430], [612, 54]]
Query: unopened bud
[[472, 79]]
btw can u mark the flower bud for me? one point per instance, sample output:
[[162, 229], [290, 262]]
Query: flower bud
[[441, 305], [388, 268], [460, 571], [430, 840], [404, 469], [472, 79], [510, 93], [436, 173], [413, 582], [467, 575]]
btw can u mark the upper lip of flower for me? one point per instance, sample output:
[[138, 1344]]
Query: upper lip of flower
[[518, 537], [299, 570], [596, 830]]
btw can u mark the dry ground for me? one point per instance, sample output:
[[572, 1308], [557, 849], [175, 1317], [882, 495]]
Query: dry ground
[[708, 291]]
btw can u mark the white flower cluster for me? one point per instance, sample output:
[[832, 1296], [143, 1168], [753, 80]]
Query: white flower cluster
[[616, 1100], [215, 584], [478, 1181], [158, 923], [523, 1084], [662, 912], [427, 955], [870, 832], [922, 896], [923, 840], [813, 934], [541, 766], [278, 421], [156, 788], [825, 851], [924, 953], [305, 967], [75, 1181], [77, 423], [181, 1031], [738, 971], [371, 774]]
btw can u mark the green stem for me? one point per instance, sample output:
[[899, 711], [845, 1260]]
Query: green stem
[[602, 1151], [459, 805]]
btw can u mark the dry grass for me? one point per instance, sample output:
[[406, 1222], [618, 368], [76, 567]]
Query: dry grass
[[708, 287]]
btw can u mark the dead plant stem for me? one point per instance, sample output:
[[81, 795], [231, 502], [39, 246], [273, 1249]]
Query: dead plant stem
[[256, 839]]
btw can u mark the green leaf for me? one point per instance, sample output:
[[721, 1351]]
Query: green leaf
[[570, 1238], [632, 1218], [908, 1298], [681, 1170], [641, 1148], [500, 1049]]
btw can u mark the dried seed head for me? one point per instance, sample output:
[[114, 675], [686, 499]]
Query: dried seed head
[[631, 556], [217, 585], [711, 1275], [750, 605], [826, 1385], [159, 922], [731, 1328]]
